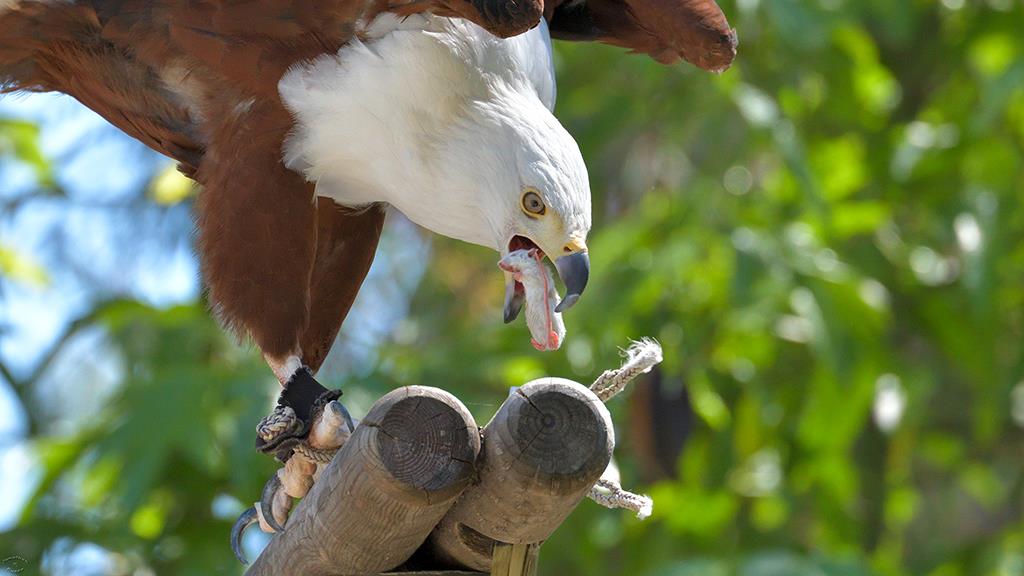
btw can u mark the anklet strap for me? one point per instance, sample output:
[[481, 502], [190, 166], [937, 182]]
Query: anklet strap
[[302, 392]]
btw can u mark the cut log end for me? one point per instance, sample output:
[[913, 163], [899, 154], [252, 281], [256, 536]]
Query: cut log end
[[545, 448], [425, 444], [557, 431], [385, 490]]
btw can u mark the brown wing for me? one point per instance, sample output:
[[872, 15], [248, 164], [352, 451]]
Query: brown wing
[[244, 46], [162, 71], [253, 42], [197, 80], [667, 30], [51, 46]]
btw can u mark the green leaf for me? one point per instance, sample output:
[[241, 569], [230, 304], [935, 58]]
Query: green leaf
[[21, 268]]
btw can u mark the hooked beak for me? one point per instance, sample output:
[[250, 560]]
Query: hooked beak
[[574, 270]]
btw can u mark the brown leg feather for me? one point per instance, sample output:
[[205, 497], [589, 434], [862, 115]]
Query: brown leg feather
[[346, 244], [257, 230]]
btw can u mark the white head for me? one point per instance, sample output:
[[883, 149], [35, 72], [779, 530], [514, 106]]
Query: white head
[[522, 169], [510, 157], [453, 127]]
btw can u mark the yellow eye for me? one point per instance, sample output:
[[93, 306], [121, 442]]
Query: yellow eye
[[532, 203]]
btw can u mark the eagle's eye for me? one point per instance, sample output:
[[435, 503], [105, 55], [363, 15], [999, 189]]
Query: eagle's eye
[[532, 203]]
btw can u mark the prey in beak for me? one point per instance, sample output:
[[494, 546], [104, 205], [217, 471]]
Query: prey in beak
[[547, 331], [530, 283]]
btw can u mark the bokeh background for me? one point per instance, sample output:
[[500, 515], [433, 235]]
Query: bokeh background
[[828, 240]]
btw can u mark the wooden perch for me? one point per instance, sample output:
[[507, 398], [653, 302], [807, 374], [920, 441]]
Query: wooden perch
[[542, 452], [391, 483]]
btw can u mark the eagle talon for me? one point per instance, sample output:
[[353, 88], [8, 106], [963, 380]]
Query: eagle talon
[[331, 425], [268, 500], [339, 409], [245, 519]]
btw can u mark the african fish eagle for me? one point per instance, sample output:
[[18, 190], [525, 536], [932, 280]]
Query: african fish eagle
[[304, 120]]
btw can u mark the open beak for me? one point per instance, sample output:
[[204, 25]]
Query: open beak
[[574, 270]]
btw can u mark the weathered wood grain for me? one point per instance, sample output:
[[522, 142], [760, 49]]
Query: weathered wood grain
[[514, 559], [435, 573], [377, 501], [545, 448]]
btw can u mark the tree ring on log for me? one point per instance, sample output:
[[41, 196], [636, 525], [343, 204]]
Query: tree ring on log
[[560, 432], [424, 444], [542, 452]]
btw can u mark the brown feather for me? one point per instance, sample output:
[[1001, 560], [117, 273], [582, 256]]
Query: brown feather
[[257, 229], [197, 81], [695, 30], [338, 263], [44, 49]]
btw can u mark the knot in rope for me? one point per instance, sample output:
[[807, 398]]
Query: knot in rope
[[640, 357]]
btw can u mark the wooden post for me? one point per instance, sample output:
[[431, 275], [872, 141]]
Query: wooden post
[[434, 573], [542, 452], [391, 483], [514, 559]]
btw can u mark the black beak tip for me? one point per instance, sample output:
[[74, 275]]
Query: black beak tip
[[574, 269], [569, 301]]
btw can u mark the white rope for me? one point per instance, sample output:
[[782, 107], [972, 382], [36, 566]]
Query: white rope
[[281, 419], [641, 356], [610, 494], [315, 455]]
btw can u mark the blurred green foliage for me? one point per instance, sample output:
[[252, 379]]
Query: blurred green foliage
[[828, 240]]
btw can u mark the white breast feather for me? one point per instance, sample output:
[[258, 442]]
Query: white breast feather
[[369, 117]]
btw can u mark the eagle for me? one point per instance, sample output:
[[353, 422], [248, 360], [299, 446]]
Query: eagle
[[303, 121]]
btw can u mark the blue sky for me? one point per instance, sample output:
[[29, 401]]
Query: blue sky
[[98, 167]]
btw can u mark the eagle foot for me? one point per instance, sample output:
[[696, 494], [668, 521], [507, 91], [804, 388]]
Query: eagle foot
[[299, 406], [304, 458]]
